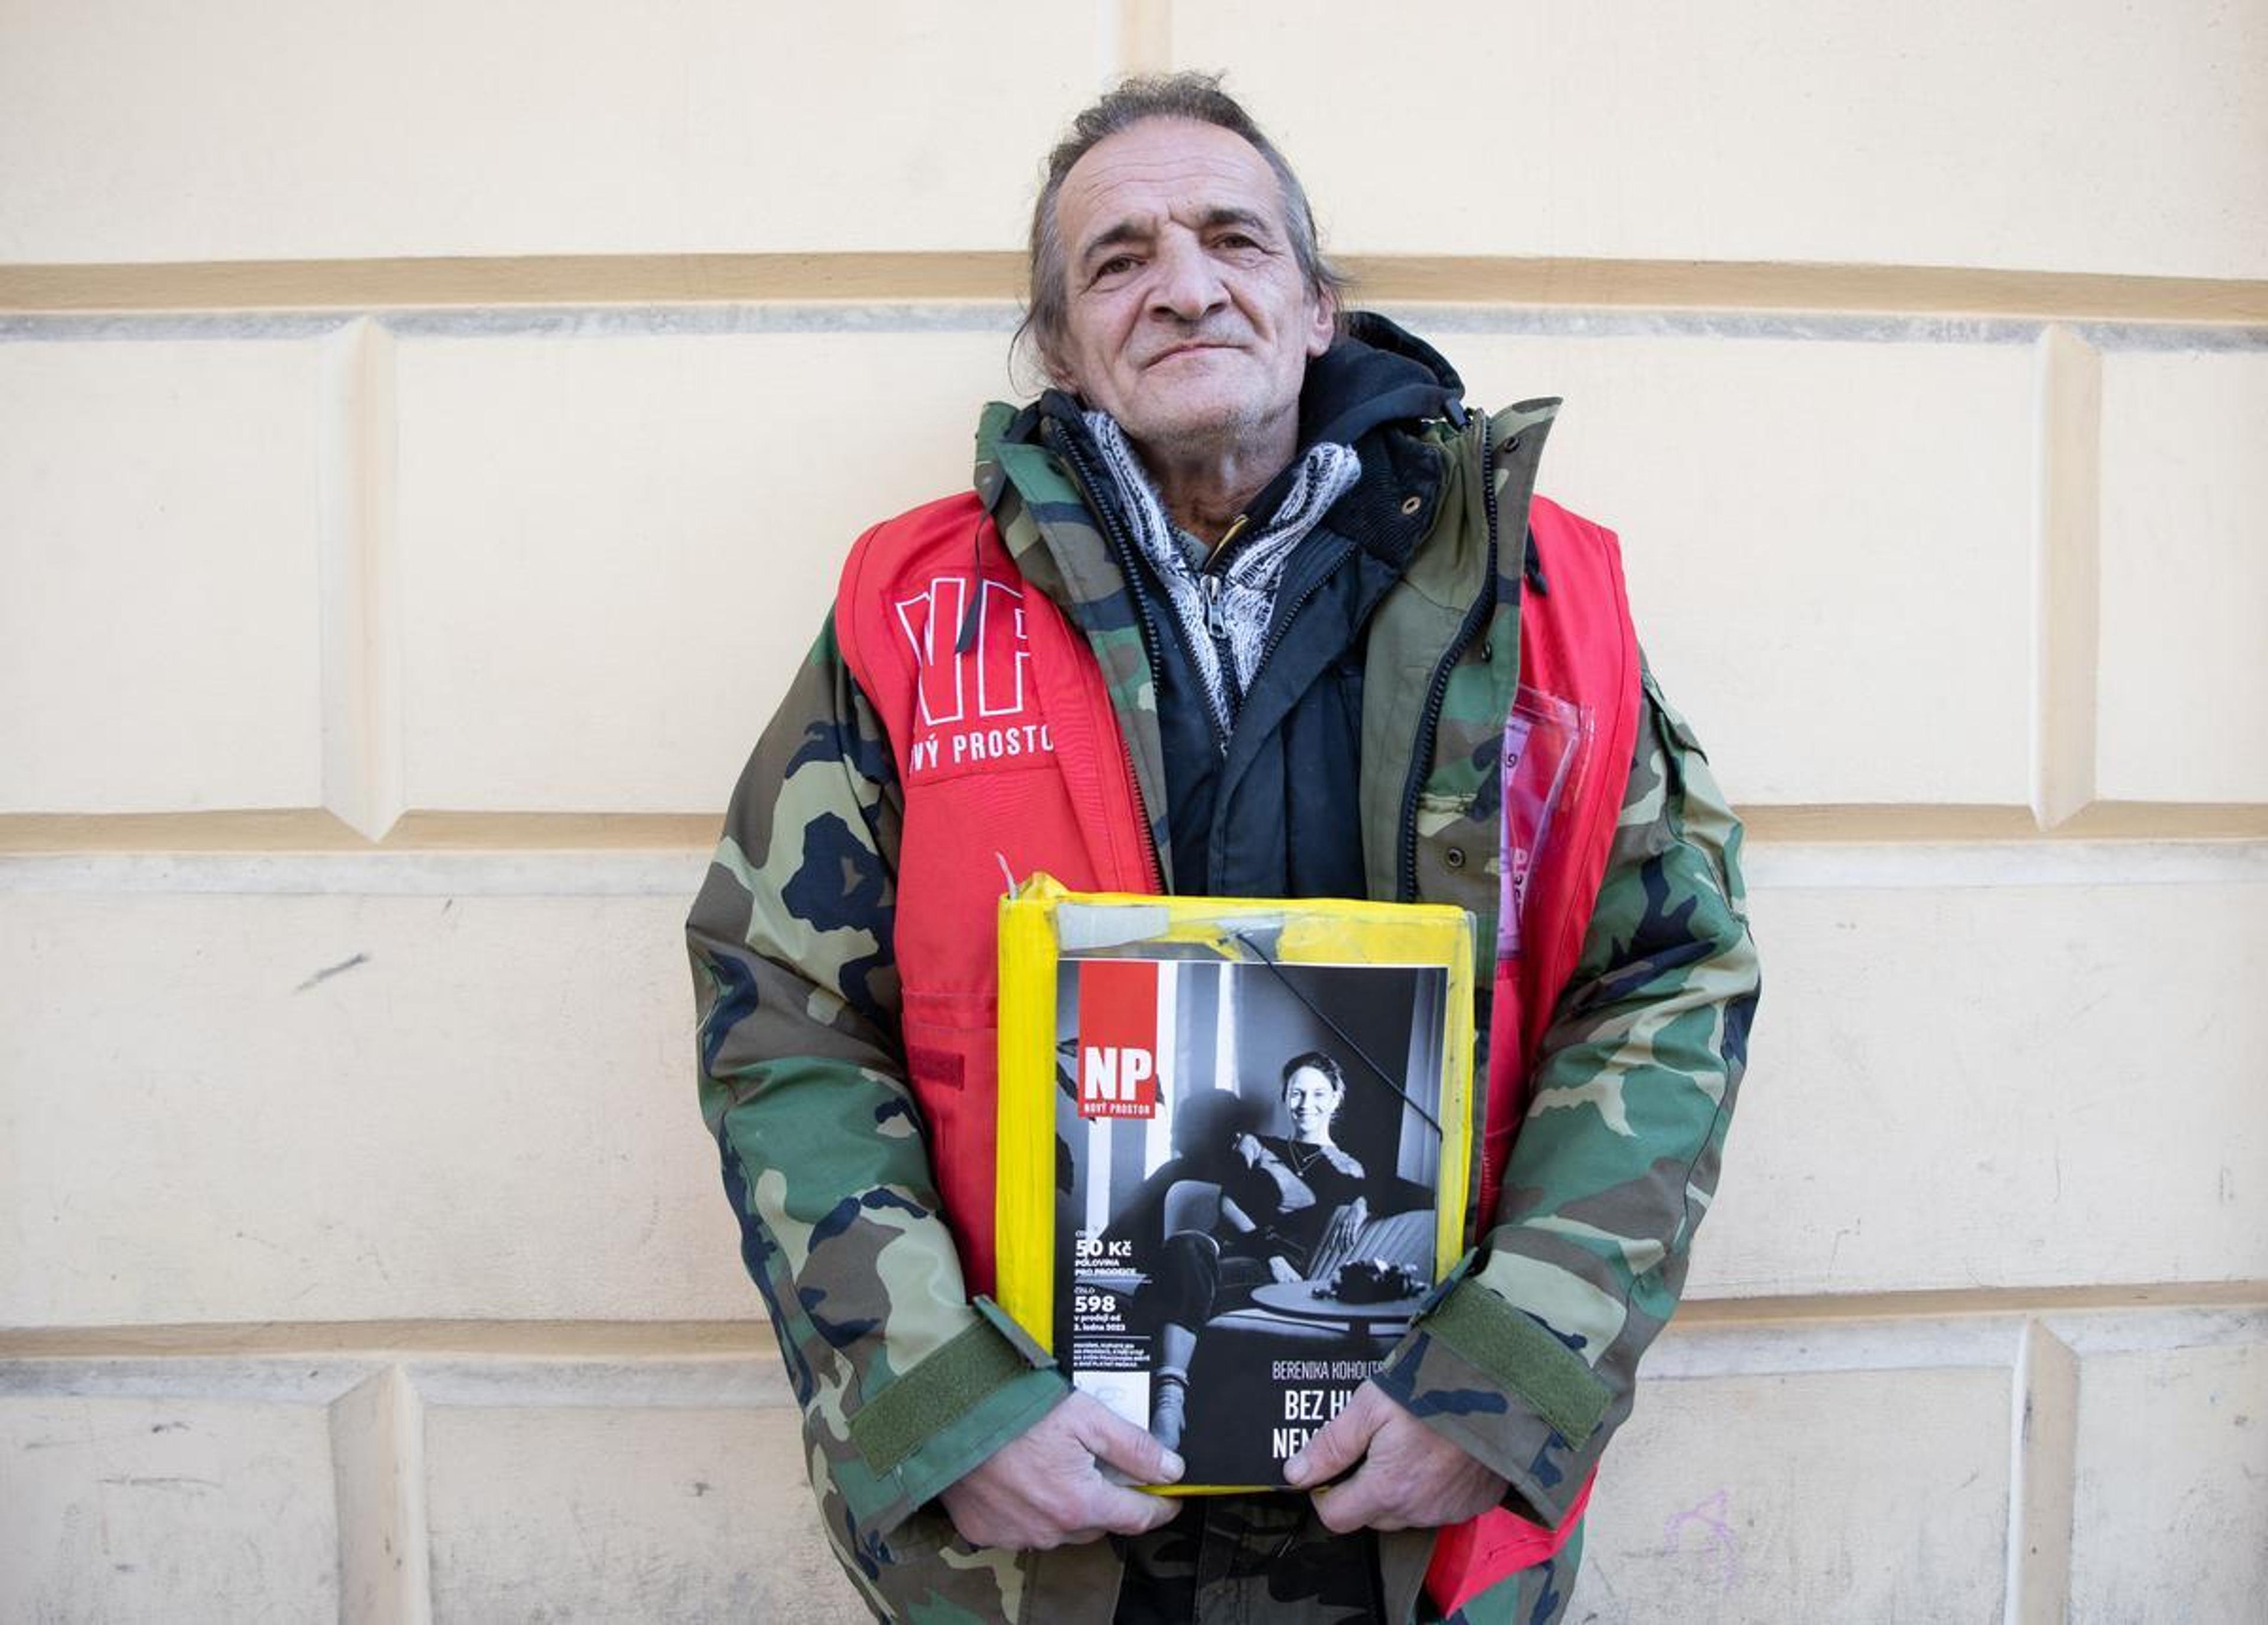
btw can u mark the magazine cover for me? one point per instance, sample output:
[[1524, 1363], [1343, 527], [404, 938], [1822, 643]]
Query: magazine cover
[[1231, 1131]]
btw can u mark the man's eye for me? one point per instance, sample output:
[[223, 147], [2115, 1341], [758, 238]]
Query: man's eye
[[1117, 265]]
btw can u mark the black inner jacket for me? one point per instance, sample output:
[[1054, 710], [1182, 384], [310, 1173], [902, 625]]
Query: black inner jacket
[[1271, 810]]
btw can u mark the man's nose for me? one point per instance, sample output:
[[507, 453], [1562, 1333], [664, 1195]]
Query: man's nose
[[1188, 284]]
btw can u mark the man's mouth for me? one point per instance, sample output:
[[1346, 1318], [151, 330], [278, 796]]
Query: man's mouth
[[1196, 346]]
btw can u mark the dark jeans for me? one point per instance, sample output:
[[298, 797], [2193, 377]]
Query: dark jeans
[[1191, 1275]]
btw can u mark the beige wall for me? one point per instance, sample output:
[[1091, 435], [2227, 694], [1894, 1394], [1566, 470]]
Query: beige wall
[[407, 515]]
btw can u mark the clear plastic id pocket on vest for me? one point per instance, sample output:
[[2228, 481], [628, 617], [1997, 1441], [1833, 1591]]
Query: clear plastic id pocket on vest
[[1234, 1153], [1543, 739]]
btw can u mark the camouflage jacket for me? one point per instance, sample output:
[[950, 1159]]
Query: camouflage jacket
[[1527, 1361]]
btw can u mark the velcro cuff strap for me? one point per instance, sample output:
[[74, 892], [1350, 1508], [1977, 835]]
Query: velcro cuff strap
[[1024, 1343], [1522, 1357], [935, 1394]]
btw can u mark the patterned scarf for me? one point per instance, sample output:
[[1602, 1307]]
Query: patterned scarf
[[1237, 600]]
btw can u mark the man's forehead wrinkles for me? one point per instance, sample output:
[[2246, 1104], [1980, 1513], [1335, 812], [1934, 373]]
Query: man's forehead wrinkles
[[1116, 234], [1142, 226], [1141, 168], [1232, 214], [1105, 169]]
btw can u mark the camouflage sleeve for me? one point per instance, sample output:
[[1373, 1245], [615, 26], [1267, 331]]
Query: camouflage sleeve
[[1528, 1360], [904, 1384]]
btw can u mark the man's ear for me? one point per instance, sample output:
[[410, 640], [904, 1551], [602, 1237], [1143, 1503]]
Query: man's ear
[[1324, 322], [1051, 368]]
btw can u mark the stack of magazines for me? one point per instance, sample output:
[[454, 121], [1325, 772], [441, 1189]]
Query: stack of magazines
[[1235, 1152]]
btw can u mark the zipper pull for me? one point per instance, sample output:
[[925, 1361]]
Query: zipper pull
[[1215, 622]]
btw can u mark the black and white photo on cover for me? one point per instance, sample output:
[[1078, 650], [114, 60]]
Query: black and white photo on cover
[[1248, 1153]]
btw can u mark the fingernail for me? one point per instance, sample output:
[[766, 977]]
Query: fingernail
[[1170, 1467], [1295, 1470]]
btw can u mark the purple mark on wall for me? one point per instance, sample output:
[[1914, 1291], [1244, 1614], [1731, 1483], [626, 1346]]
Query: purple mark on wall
[[1709, 1516]]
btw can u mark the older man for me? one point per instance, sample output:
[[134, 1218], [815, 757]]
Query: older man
[[1240, 607]]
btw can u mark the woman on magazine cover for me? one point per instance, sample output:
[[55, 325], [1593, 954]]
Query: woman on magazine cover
[[1280, 1202]]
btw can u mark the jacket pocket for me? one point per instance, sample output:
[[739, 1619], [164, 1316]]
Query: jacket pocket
[[928, 1567], [1459, 846], [952, 1061]]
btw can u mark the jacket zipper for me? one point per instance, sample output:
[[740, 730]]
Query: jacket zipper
[[1282, 618], [1429, 719], [1224, 655], [1428, 723], [1151, 865], [1122, 548], [1216, 623], [1084, 477]]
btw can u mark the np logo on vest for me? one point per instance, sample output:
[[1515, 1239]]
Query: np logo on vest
[[975, 706]]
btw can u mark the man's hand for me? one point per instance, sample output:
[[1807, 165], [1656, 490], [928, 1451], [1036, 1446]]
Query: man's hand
[[1280, 1266], [1410, 1477], [1044, 1489]]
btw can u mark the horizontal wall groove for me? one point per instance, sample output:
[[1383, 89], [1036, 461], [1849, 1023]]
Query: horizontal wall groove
[[1945, 1302], [538, 279], [609, 1341], [2101, 820], [566, 1340], [673, 871], [288, 832], [410, 284], [902, 319]]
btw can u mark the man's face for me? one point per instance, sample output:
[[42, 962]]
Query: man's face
[[1189, 319]]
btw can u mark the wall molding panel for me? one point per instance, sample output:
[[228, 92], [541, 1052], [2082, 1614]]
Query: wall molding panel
[[428, 442]]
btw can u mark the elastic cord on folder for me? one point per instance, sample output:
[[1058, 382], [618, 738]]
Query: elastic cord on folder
[[1338, 1031]]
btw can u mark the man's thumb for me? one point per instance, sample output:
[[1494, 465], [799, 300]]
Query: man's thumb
[[1336, 1448], [1118, 1443]]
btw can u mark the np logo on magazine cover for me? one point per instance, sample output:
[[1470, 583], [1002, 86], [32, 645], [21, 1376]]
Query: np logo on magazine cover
[[974, 705], [1118, 1039]]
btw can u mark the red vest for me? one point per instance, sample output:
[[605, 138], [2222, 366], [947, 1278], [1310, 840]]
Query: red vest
[[1576, 642], [1011, 763]]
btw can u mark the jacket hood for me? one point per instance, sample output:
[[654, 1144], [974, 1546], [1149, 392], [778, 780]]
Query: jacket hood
[[1375, 372]]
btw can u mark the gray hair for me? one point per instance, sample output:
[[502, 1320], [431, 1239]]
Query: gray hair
[[1193, 96]]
